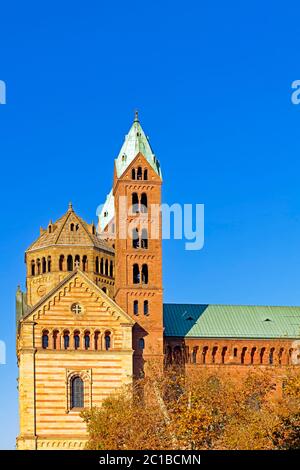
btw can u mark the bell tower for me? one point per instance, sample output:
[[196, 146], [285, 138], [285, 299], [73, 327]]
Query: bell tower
[[138, 245]]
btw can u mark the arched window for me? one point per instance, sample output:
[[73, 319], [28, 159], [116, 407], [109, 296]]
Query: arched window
[[106, 267], [84, 263], [50, 228], [280, 354], [87, 340], [133, 174], [77, 261], [66, 339], [101, 266], [224, 350], [44, 265], [235, 352], [135, 203], [141, 343], [214, 353], [32, 268], [96, 340], [38, 264], [194, 355], [49, 264], [135, 238], [252, 354], [136, 307], [77, 227], [144, 203], [61, 262], [76, 339], [243, 355], [107, 340], [72, 227], [271, 356], [144, 274], [144, 238], [70, 263], [111, 269], [145, 174], [45, 339], [97, 264], [146, 307], [261, 355], [139, 173], [136, 274], [77, 393], [55, 339], [204, 354]]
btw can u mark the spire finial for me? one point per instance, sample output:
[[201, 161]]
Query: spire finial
[[70, 206], [136, 116]]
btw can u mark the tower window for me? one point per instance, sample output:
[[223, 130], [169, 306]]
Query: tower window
[[38, 264], [146, 307], [32, 268], [141, 343], [144, 203], [107, 340], [135, 238], [45, 339], [77, 393], [72, 227], [136, 274], [55, 338], [96, 340], [70, 263], [84, 263], [44, 265], [136, 307], [144, 274], [49, 264], [101, 266], [145, 174], [133, 174], [106, 267], [139, 173], [144, 239], [77, 261], [135, 203], [61, 262], [97, 264], [111, 269]]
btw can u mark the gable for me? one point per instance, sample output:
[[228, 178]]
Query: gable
[[96, 307], [140, 161]]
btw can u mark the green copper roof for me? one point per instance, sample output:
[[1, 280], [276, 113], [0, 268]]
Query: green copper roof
[[135, 142], [231, 321]]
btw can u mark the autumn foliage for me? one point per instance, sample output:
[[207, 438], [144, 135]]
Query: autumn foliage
[[202, 409]]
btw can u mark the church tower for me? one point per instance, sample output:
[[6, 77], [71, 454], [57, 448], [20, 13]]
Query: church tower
[[138, 245]]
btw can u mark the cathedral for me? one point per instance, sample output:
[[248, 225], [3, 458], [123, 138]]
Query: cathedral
[[92, 315]]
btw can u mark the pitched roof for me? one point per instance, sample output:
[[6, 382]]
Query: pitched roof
[[60, 234], [231, 321], [136, 142]]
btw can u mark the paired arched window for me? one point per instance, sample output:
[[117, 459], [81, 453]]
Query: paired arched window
[[140, 242], [136, 307], [136, 274], [45, 339], [145, 274], [72, 227], [77, 393], [146, 307]]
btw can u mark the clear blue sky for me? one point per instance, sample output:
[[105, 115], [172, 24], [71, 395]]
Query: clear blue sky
[[212, 83]]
